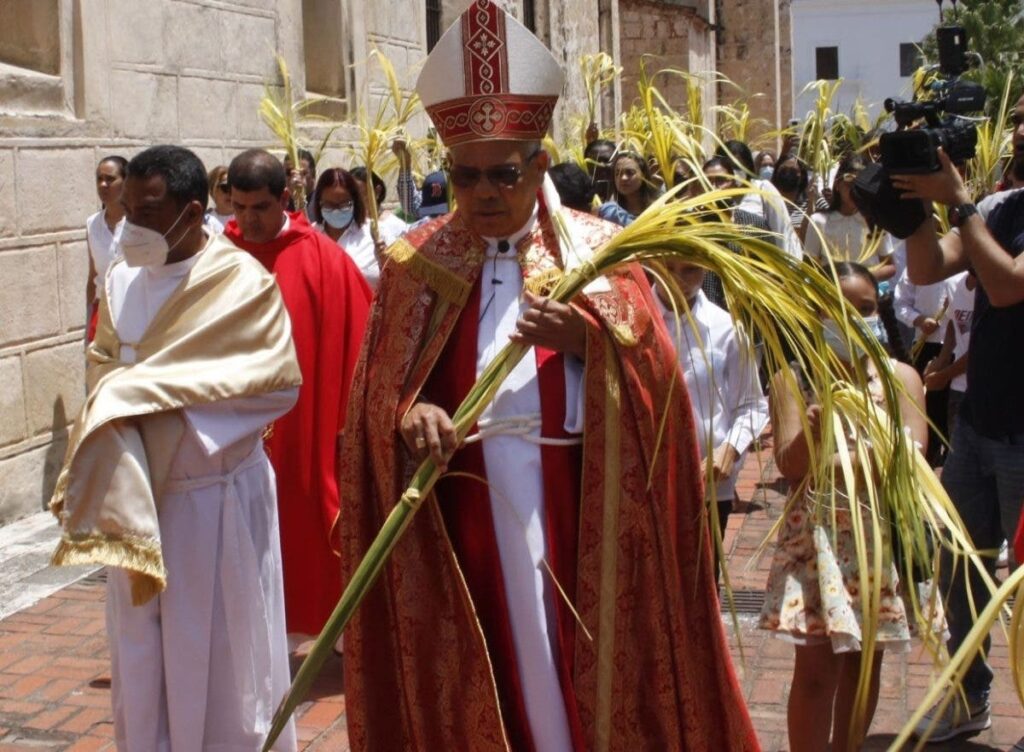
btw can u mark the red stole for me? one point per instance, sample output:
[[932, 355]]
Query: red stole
[[328, 304], [465, 505]]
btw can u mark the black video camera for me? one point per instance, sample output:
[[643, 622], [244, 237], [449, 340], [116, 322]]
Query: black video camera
[[915, 151]]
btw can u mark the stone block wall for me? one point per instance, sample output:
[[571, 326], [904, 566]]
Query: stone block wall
[[668, 35], [755, 52], [132, 74], [116, 76]]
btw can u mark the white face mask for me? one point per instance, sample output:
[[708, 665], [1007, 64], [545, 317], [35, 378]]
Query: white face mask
[[142, 246]]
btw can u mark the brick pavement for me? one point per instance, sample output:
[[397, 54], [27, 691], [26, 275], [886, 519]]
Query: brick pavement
[[55, 693]]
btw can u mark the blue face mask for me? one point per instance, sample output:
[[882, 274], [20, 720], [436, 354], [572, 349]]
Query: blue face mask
[[339, 219], [766, 172], [876, 327], [836, 339]]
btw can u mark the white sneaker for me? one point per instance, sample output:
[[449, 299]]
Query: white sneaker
[[955, 720], [1003, 560]]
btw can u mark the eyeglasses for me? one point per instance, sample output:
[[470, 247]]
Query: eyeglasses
[[503, 176]]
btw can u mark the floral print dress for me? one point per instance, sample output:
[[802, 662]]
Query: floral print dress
[[814, 586]]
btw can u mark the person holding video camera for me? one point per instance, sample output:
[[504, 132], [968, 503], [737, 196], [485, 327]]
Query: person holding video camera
[[984, 474]]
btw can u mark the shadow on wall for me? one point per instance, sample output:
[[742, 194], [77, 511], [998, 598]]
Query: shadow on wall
[[55, 452]]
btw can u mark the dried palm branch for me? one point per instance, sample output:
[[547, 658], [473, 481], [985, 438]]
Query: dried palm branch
[[994, 147], [759, 282], [372, 148], [281, 113], [816, 147], [598, 72]]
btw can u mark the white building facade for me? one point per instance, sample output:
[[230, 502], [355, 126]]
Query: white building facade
[[870, 44]]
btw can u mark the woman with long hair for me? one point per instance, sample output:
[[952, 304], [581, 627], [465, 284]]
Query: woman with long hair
[[634, 189], [814, 597]]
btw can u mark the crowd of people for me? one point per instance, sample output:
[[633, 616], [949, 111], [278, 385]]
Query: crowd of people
[[270, 360]]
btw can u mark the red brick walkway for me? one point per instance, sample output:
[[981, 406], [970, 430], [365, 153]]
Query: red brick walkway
[[55, 694]]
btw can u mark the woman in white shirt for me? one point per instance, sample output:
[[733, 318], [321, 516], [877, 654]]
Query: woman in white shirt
[[338, 211], [103, 229], [841, 234]]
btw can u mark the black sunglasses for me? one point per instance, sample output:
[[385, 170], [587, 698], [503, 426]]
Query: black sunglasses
[[504, 176]]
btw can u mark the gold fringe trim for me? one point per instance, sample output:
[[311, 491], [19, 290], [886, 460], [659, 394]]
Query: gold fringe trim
[[446, 284], [542, 283], [624, 335], [139, 556]]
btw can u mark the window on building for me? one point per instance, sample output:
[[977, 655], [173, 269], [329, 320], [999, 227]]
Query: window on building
[[910, 59], [530, 15], [434, 13], [30, 36], [323, 35], [36, 49], [826, 63]]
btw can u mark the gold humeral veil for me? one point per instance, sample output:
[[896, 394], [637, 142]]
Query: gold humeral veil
[[224, 333]]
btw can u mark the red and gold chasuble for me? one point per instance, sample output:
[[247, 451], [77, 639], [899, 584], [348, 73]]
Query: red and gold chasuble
[[428, 658]]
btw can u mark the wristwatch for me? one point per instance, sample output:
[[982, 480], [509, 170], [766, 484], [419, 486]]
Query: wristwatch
[[957, 214]]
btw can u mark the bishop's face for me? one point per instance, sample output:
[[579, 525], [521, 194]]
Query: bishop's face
[[496, 183]]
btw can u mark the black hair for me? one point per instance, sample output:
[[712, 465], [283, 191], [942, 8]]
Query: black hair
[[256, 169], [801, 166], [717, 162], [600, 143], [336, 176], [121, 162], [648, 191], [305, 156], [739, 156], [182, 171], [886, 309], [851, 163], [574, 186], [380, 190]]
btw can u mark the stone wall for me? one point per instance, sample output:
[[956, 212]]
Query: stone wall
[[755, 52], [82, 79], [129, 74], [668, 34]]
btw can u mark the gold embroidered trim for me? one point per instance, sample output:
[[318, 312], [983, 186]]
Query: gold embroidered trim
[[142, 557], [609, 554], [446, 284]]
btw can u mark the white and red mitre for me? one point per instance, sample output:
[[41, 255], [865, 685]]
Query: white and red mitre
[[489, 78]]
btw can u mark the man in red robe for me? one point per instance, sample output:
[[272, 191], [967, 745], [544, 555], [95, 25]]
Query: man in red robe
[[328, 302], [556, 591]]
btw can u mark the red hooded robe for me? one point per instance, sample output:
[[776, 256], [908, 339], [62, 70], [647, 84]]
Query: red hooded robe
[[328, 302]]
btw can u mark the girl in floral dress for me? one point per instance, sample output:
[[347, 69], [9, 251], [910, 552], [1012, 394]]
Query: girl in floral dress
[[813, 597]]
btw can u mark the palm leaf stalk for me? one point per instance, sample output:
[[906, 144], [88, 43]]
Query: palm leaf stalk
[[994, 147], [282, 115], [816, 133], [760, 285], [598, 71], [373, 147], [280, 112]]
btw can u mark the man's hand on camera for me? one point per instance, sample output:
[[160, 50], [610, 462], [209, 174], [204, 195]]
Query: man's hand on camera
[[945, 186]]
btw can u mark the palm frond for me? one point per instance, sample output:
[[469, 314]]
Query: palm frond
[[759, 284]]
